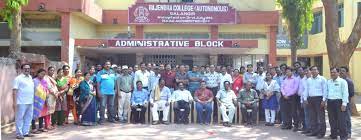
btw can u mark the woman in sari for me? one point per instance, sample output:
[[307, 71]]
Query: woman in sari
[[40, 105], [73, 93], [237, 81], [61, 105], [53, 93], [87, 100]]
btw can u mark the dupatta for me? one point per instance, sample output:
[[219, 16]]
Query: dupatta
[[41, 90]]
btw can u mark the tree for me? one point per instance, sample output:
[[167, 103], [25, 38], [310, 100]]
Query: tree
[[340, 53], [11, 13], [299, 16]]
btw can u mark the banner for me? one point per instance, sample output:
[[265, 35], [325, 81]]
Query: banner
[[181, 13], [172, 43]]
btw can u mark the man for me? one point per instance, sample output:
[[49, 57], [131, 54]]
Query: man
[[260, 76], [182, 100], [300, 109], [187, 68], [297, 65], [194, 79], [288, 101], [154, 79], [337, 99], [124, 87], [169, 76], [139, 102], [213, 79], [301, 90], [182, 76], [23, 99], [203, 98], [160, 98], [344, 73], [224, 76], [218, 69], [314, 93], [150, 68], [161, 68], [227, 99], [106, 80], [99, 67], [279, 77], [249, 100], [250, 76], [143, 76]]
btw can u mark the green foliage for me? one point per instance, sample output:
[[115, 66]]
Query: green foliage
[[299, 16], [11, 6]]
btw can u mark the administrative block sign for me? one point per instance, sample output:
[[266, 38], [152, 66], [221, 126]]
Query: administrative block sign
[[181, 13], [171, 43]]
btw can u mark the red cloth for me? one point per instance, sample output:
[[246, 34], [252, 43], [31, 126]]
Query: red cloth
[[237, 84], [203, 95], [169, 78]]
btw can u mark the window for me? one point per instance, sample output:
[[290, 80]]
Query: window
[[176, 36], [5, 31], [242, 36], [317, 23], [340, 15]]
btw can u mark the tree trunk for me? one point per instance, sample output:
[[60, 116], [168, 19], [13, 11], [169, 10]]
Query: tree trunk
[[294, 43], [15, 40]]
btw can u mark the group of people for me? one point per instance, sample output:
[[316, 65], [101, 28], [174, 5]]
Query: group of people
[[295, 97]]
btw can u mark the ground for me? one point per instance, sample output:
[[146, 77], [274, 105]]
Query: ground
[[136, 131]]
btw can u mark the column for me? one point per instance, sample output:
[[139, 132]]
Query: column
[[65, 35], [213, 1], [272, 46], [214, 32], [139, 58], [139, 32], [213, 58]]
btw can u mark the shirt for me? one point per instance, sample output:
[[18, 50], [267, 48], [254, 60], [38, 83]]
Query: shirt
[[337, 89], [153, 81], [245, 96], [226, 97], [141, 76], [139, 97], [272, 87], [223, 78], [184, 95], [194, 85], [125, 82], [260, 81], [25, 89], [250, 77], [290, 86], [203, 95], [351, 88], [212, 79], [182, 76], [302, 88], [165, 95], [169, 78], [315, 87], [106, 80]]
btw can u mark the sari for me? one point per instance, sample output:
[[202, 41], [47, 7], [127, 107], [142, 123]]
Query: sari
[[41, 91], [53, 91], [71, 98], [61, 104], [88, 105], [237, 84]]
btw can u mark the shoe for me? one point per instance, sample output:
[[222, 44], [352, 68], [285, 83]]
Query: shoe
[[267, 124], [207, 124], [311, 134], [286, 127], [320, 136], [19, 137], [332, 137], [271, 124], [111, 121], [43, 130], [35, 131], [155, 123], [295, 129], [305, 132], [166, 122], [28, 135]]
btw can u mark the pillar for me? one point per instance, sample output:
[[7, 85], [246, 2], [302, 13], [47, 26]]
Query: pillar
[[65, 35], [213, 1], [213, 59], [139, 31], [214, 32], [139, 58], [272, 46]]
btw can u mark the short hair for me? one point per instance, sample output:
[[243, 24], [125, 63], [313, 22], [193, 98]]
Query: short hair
[[23, 65], [180, 83], [41, 70], [344, 67], [289, 68], [224, 83], [335, 68], [306, 68], [107, 62], [66, 66], [297, 62], [141, 63], [313, 67], [139, 82], [283, 65], [51, 67], [249, 65], [203, 81]]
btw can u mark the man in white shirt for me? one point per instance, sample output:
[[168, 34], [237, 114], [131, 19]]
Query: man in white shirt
[[226, 100], [182, 100], [224, 76], [142, 75], [160, 98], [23, 95]]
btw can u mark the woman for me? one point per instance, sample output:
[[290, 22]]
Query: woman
[[40, 106], [270, 104], [73, 95], [53, 93], [87, 101], [61, 104], [237, 81]]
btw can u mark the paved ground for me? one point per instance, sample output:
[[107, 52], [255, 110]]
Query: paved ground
[[135, 132]]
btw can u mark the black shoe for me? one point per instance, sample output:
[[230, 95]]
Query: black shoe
[[155, 123], [311, 134], [166, 122], [267, 124], [271, 124], [28, 135], [332, 137], [320, 136], [19, 137]]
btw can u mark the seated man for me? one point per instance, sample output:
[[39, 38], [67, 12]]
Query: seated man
[[249, 103], [139, 103], [182, 98], [160, 99], [203, 98], [226, 100]]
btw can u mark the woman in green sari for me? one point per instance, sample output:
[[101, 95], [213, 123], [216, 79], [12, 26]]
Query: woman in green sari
[[61, 104]]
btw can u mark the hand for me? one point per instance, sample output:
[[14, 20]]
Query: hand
[[323, 104], [166, 104], [343, 108], [286, 97]]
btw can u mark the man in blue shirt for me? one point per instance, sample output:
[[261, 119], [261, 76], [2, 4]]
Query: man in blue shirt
[[194, 79], [337, 100], [351, 92], [105, 86], [139, 101]]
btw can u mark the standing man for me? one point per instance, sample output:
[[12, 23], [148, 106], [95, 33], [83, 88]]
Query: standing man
[[124, 89], [213, 79], [301, 90], [344, 73], [194, 79], [154, 79], [260, 78], [224, 76], [23, 99], [337, 99], [182, 100], [143, 76], [288, 101], [106, 80], [169, 76], [314, 93], [226, 100], [249, 76], [182, 76]]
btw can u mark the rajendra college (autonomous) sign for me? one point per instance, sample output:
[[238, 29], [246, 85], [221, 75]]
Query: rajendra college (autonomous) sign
[[181, 13]]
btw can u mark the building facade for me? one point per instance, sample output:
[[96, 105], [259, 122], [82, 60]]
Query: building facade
[[194, 32], [315, 52]]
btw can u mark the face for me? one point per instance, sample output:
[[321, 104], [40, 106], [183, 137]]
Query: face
[[168, 67], [125, 71], [249, 68], [273, 71], [87, 77], [119, 70], [289, 72], [236, 72], [300, 71], [195, 69], [212, 68], [307, 72], [41, 75], [78, 73], [107, 65], [283, 68], [26, 69], [243, 69], [314, 71], [261, 69], [268, 76], [66, 71], [334, 74], [181, 86], [149, 66], [203, 85], [99, 67], [136, 67], [130, 69], [142, 67], [60, 73], [186, 68], [227, 86], [182, 68], [297, 65], [278, 71], [161, 67], [139, 85], [51, 71], [343, 72], [92, 70], [162, 83], [224, 70], [248, 85]]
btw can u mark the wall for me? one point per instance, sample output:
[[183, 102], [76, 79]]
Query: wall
[[81, 28], [110, 31], [7, 75], [176, 28], [115, 4], [251, 5]]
